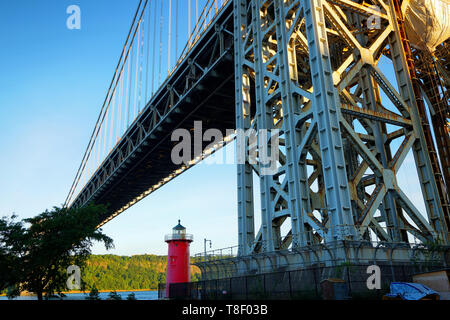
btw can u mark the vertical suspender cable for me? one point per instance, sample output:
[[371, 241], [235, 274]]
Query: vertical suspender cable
[[111, 132], [140, 65], [137, 71], [176, 31], [120, 109], [99, 147], [189, 22], [101, 117], [126, 93], [148, 52], [96, 153], [96, 150], [160, 42], [154, 45], [105, 132], [93, 136], [170, 27], [131, 85], [197, 29]]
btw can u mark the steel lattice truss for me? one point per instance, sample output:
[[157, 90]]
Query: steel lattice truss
[[312, 69]]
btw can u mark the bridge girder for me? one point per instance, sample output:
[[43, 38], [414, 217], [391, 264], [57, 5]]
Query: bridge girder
[[197, 89]]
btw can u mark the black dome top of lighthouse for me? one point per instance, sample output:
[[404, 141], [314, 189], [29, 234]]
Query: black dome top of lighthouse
[[179, 226], [179, 234]]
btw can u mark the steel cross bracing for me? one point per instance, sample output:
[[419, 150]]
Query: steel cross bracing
[[311, 68], [432, 69]]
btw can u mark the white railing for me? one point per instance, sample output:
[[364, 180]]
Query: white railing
[[186, 236]]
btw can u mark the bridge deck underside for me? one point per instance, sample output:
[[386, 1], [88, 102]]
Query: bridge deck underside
[[152, 163], [200, 89]]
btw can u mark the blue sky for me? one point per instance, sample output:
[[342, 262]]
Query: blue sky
[[52, 84], [53, 81]]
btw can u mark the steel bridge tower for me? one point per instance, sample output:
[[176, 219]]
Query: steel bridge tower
[[348, 97], [314, 70]]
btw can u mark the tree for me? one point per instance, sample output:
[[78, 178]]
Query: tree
[[12, 292], [131, 296], [93, 295], [12, 238], [39, 250], [113, 295], [161, 277]]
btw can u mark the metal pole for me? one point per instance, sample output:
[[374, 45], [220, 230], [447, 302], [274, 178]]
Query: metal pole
[[204, 246], [246, 288], [349, 281], [290, 284], [264, 284], [315, 281]]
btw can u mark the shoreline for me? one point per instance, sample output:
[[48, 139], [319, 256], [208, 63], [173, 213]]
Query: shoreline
[[87, 291], [103, 291]]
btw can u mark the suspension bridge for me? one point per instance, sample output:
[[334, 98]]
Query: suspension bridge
[[316, 71]]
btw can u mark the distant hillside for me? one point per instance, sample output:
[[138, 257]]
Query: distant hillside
[[111, 272]]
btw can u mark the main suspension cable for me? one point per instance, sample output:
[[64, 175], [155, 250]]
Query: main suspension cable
[[91, 140]]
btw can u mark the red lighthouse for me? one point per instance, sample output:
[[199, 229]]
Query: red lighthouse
[[178, 263]]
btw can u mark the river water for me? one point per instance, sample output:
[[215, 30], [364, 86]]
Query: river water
[[140, 295]]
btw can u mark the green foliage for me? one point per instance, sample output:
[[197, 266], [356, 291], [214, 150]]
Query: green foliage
[[195, 276], [138, 272], [12, 238], [93, 295], [35, 252], [434, 249], [429, 254], [12, 292]]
